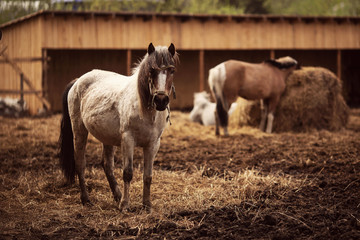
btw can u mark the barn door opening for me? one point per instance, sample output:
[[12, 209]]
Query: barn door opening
[[66, 65]]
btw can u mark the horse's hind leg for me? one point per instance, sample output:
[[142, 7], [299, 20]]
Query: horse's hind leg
[[80, 138], [217, 131], [222, 117], [108, 165]]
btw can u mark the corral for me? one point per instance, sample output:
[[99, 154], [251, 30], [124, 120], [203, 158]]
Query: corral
[[53, 47], [250, 185]]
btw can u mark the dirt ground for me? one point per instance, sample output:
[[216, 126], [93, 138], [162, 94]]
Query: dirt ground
[[249, 185]]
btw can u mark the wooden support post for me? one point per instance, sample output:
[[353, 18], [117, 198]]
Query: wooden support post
[[22, 90], [44, 81], [272, 54], [338, 64], [128, 62], [201, 71]]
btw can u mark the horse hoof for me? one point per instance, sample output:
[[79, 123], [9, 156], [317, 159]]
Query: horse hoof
[[117, 197], [87, 203], [147, 206], [124, 206]]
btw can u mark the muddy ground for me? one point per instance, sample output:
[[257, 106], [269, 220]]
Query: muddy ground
[[325, 204]]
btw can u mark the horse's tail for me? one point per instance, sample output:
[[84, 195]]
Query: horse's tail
[[66, 142], [217, 76]]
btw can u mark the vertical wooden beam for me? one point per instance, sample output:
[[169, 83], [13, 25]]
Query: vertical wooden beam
[[22, 91], [201, 71], [128, 62], [338, 64], [272, 54], [44, 81]]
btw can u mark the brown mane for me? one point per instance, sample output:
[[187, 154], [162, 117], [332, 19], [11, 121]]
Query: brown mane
[[280, 65]]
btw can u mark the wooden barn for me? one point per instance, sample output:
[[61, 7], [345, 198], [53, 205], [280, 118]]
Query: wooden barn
[[42, 52]]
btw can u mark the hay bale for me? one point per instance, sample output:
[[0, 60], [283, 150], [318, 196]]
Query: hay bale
[[312, 100], [247, 112]]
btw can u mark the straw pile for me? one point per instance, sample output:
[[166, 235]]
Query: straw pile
[[312, 100]]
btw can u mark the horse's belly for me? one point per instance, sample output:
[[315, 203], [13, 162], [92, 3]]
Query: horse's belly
[[113, 139], [105, 128]]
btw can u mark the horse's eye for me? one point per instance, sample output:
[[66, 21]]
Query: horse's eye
[[153, 72], [172, 71]]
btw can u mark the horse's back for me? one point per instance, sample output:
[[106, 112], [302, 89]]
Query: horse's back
[[99, 78], [94, 101], [251, 80]]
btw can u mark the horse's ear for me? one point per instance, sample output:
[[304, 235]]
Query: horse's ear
[[172, 49], [151, 48]]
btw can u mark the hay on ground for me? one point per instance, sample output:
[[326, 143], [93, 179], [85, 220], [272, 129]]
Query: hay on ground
[[312, 100]]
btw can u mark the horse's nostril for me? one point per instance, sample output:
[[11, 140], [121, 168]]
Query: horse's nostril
[[165, 99], [161, 101]]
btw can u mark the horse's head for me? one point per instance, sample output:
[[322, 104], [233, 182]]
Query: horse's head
[[161, 66]]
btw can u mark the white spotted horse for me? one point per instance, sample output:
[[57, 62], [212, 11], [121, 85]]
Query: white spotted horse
[[124, 111]]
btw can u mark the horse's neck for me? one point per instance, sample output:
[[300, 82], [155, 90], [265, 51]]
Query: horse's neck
[[147, 112], [286, 73], [143, 95]]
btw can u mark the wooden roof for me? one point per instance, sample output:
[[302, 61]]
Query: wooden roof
[[146, 16]]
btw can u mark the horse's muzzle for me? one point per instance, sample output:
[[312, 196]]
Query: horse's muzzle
[[161, 101]]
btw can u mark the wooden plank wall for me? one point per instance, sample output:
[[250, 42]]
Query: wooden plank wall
[[136, 33], [200, 40], [23, 41]]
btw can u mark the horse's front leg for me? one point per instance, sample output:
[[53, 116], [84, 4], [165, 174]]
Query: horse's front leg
[[273, 102], [270, 120], [264, 110], [108, 165], [271, 110], [149, 155], [127, 150]]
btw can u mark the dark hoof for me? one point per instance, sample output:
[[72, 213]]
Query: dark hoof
[[147, 206], [117, 197], [86, 202], [124, 206]]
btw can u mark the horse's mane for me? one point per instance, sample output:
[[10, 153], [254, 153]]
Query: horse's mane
[[160, 57], [280, 65]]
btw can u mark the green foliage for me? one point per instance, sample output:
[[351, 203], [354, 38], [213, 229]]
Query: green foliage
[[12, 9], [314, 7]]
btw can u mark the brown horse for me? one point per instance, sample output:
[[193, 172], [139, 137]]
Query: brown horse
[[265, 81]]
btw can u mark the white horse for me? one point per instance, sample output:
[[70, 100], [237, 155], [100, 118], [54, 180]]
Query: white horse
[[203, 110], [118, 111]]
